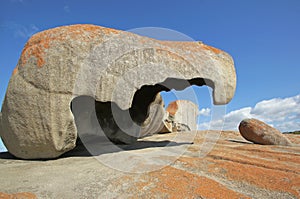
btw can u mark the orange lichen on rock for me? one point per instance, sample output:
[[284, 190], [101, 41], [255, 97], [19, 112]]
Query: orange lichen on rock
[[262, 166], [172, 108], [233, 168], [15, 71], [35, 47], [192, 46], [23, 195], [213, 49], [262, 177], [270, 168], [175, 183], [40, 42]]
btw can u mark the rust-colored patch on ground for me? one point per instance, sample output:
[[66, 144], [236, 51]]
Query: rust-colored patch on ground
[[233, 168], [262, 177], [23, 195], [253, 167], [272, 168], [40, 42], [267, 167], [175, 183]]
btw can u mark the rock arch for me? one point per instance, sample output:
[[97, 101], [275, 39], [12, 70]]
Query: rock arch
[[60, 64]]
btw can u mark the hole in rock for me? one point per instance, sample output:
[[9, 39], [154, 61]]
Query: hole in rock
[[92, 117], [187, 110]]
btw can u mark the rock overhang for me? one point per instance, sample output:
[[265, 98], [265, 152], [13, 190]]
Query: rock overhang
[[59, 64], [118, 47]]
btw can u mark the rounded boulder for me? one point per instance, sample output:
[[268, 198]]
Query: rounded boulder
[[259, 132]]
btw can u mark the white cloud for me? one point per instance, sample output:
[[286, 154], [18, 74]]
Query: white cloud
[[277, 110], [283, 114], [67, 9], [204, 112], [19, 30], [25, 31]]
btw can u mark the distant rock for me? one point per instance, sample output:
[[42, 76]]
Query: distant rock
[[259, 132], [182, 114]]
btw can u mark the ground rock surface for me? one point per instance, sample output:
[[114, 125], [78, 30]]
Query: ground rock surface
[[18, 196], [209, 165]]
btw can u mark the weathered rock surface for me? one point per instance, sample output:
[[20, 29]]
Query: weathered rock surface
[[154, 122], [259, 132], [183, 115], [18, 196], [116, 68], [230, 167]]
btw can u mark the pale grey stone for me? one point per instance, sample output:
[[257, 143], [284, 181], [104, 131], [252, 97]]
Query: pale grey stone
[[63, 63]]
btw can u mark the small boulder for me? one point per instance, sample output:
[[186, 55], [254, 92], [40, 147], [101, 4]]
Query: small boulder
[[259, 132]]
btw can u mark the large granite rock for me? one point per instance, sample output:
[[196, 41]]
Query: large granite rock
[[259, 132], [115, 68], [234, 168]]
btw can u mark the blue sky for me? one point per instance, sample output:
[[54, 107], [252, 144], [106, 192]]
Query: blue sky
[[261, 35]]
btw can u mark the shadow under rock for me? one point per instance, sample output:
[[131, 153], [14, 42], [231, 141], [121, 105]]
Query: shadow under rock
[[239, 141], [98, 148], [7, 155]]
